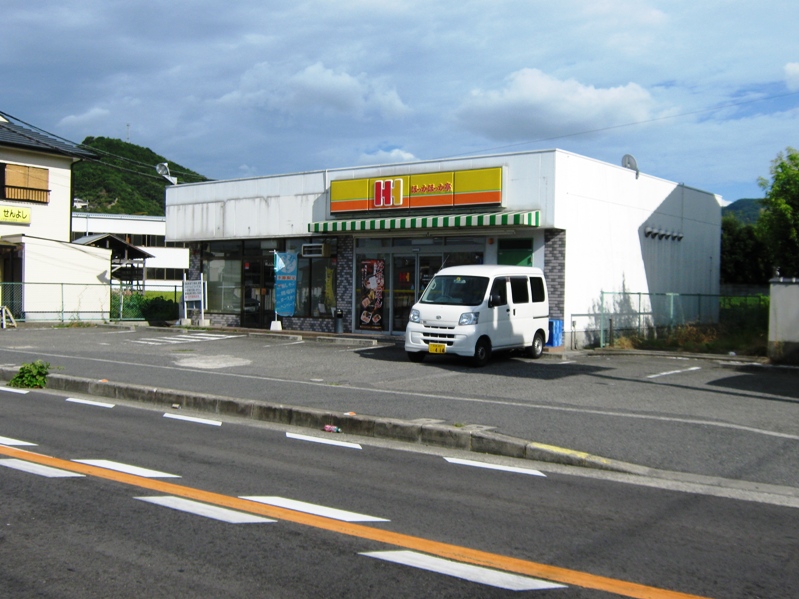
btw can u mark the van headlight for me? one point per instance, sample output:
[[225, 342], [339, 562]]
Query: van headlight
[[414, 317], [468, 318]]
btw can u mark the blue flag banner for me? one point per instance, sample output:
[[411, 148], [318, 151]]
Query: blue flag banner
[[285, 283]]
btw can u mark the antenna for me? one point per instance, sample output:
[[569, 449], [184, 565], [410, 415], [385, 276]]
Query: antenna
[[627, 161], [163, 170]]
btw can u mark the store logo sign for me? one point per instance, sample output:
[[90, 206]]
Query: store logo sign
[[388, 193]]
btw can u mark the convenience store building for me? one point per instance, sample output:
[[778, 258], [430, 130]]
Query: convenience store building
[[366, 240]]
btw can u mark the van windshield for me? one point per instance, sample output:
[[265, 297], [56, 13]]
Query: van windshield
[[455, 290]]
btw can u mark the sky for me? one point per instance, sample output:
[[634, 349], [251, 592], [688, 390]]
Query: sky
[[704, 93]]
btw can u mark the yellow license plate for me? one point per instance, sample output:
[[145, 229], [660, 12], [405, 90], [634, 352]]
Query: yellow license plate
[[437, 348]]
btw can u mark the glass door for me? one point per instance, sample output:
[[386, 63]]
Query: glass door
[[411, 274], [258, 310]]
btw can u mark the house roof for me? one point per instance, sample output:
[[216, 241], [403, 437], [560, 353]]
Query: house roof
[[18, 136], [121, 250]]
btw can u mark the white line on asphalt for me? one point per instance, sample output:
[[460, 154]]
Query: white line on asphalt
[[654, 376], [127, 468], [38, 469], [311, 508], [477, 464], [441, 397], [478, 574], [323, 441], [205, 510], [98, 404], [14, 442], [12, 390], [193, 419]]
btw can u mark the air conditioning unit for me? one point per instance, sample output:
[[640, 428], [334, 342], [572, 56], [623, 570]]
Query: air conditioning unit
[[315, 250]]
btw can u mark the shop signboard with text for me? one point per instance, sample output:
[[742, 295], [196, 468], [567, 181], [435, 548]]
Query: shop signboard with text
[[452, 189]]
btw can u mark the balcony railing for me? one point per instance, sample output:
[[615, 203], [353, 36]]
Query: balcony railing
[[27, 194]]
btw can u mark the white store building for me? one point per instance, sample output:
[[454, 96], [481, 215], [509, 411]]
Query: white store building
[[593, 227]]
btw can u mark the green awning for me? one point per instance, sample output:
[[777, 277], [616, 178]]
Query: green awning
[[494, 219]]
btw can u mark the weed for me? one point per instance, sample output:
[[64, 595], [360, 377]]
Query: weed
[[31, 376]]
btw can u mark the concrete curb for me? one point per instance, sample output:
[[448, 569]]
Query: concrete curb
[[476, 438]]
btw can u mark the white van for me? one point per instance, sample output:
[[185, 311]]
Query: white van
[[473, 310]]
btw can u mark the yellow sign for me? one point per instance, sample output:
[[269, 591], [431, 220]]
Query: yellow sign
[[424, 190], [15, 214]]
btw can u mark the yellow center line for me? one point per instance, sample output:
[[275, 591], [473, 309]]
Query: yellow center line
[[445, 550]]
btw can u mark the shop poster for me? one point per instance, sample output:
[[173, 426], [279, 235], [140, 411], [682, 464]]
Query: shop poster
[[371, 298], [285, 283]]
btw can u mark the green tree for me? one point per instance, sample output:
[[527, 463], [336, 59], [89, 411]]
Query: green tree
[[744, 257], [778, 226]]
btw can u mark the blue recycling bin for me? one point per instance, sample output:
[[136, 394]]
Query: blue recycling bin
[[555, 333]]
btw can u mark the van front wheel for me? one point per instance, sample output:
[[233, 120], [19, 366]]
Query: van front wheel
[[536, 350], [482, 352]]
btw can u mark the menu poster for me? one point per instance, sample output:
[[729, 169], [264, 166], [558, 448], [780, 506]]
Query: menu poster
[[370, 306]]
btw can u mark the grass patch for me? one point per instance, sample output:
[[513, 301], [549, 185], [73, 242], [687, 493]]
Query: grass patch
[[31, 376], [708, 339]]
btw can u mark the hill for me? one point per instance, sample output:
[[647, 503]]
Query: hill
[[123, 179], [747, 211]]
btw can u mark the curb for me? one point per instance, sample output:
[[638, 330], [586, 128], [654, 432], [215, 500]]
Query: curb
[[475, 438]]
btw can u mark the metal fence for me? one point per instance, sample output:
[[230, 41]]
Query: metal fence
[[76, 302], [627, 314]]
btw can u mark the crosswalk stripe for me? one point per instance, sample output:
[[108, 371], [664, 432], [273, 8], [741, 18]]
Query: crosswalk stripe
[[192, 338], [127, 468], [32, 468], [487, 576], [311, 508], [206, 510], [16, 442]]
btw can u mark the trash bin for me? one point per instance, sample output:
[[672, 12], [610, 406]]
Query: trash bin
[[339, 321]]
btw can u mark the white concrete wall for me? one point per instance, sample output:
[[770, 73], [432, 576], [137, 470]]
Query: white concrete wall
[[117, 224], [51, 220], [783, 322], [63, 278]]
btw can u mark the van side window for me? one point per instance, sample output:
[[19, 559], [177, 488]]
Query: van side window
[[537, 285], [499, 288], [518, 290]]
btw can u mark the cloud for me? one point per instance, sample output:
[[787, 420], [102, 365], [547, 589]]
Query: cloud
[[316, 89], [536, 105], [792, 76], [92, 116], [386, 157]]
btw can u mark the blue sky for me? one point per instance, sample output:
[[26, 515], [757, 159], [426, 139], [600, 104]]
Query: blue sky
[[704, 93]]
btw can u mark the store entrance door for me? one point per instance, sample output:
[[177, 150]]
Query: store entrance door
[[411, 274], [258, 309]]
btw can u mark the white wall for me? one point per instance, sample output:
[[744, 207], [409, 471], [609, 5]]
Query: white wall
[[117, 224], [51, 220], [783, 323], [81, 275]]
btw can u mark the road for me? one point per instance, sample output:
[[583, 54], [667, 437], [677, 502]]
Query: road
[[715, 418], [101, 529]]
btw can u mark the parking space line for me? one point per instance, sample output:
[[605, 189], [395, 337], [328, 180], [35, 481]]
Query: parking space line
[[659, 374]]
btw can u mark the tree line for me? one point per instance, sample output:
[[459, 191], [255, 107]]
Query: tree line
[[753, 253]]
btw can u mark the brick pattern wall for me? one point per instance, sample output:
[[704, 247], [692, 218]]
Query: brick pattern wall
[[555, 271]]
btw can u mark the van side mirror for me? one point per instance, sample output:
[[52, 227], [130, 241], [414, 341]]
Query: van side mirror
[[494, 300]]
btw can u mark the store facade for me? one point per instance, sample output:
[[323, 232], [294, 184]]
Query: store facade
[[366, 240]]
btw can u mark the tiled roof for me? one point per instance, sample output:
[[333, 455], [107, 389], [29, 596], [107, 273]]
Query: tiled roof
[[22, 137]]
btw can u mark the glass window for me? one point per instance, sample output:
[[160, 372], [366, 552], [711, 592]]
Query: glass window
[[537, 285], [499, 292], [222, 270], [518, 290], [455, 290]]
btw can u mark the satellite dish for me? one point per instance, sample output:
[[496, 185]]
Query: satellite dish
[[627, 161], [163, 170]]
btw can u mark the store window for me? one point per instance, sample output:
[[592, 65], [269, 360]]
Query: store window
[[316, 278], [222, 270]]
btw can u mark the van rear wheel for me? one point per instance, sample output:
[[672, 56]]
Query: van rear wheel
[[482, 352], [536, 350]]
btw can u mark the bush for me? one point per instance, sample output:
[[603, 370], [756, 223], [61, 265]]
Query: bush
[[31, 376]]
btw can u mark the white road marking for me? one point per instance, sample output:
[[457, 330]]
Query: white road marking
[[187, 338], [654, 376], [193, 419], [99, 404], [15, 442], [205, 510], [495, 466], [127, 468], [478, 574], [13, 390], [323, 441], [317, 510], [38, 469]]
